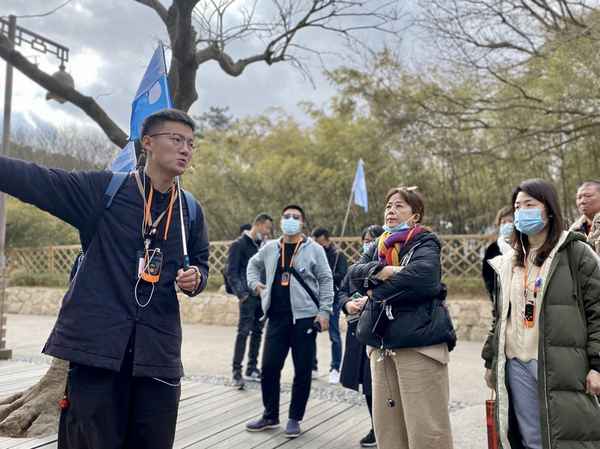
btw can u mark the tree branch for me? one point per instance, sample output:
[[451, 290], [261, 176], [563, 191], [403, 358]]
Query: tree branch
[[86, 103], [156, 6]]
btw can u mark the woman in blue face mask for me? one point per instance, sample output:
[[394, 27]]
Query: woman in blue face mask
[[543, 353], [355, 368], [504, 223]]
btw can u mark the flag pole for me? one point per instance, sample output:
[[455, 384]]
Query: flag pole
[[186, 257], [337, 256], [347, 213]]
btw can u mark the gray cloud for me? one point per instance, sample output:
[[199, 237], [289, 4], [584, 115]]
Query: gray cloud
[[123, 35]]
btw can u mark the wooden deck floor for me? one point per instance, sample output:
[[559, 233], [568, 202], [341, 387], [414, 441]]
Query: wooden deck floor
[[213, 416]]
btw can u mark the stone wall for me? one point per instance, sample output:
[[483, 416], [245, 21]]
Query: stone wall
[[471, 315]]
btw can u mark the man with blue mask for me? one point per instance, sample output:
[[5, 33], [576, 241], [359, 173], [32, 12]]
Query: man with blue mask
[[297, 300]]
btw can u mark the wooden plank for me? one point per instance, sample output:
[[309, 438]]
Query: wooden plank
[[203, 423], [308, 426], [239, 437], [345, 430], [214, 416], [215, 432]]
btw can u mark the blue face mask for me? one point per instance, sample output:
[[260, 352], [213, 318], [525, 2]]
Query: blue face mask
[[366, 247], [506, 230], [291, 226], [398, 228], [529, 221]]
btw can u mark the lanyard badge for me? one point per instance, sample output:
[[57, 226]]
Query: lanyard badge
[[530, 304], [285, 273], [150, 265]]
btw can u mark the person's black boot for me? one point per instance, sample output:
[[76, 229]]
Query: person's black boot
[[238, 380], [369, 440]]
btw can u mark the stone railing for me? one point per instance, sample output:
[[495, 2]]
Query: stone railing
[[471, 315]]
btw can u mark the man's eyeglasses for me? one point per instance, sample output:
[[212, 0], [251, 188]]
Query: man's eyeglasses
[[177, 139], [294, 216]]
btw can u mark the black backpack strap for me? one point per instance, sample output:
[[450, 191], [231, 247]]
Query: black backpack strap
[[305, 287]]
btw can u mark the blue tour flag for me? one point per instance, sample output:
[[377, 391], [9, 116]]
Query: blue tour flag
[[359, 187], [125, 161], [152, 95]]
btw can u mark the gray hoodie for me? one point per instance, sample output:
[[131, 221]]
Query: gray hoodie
[[310, 262]]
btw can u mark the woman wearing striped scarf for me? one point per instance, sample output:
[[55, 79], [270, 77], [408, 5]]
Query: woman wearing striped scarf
[[407, 329]]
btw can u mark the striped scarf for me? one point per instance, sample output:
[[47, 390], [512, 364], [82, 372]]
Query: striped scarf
[[391, 243]]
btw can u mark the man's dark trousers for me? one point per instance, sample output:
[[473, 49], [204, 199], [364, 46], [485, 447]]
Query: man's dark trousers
[[249, 324], [114, 410], [283, 335], [335, 336]]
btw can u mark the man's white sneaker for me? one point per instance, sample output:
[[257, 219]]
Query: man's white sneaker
[[334, 376]]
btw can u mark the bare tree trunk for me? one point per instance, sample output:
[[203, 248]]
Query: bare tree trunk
[[34, 412]]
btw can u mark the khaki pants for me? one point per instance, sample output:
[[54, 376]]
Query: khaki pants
[[418, 385]]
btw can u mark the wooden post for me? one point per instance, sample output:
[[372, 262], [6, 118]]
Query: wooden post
[[12, 31]]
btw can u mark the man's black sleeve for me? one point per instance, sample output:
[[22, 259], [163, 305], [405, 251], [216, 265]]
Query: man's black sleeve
[[74, 197], [340, 269], [236, 279], [199, 251]]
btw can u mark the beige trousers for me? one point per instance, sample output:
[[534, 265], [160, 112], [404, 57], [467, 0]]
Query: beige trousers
[[418, 385]]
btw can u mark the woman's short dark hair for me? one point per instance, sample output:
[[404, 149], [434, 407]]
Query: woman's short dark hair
[[412, 197], [545, 193], [374, 231]]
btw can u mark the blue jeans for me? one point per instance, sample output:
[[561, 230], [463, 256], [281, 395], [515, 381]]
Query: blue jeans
[[334, 337], [523, 382]]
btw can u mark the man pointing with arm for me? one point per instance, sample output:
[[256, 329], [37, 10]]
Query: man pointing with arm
[[119, 324]]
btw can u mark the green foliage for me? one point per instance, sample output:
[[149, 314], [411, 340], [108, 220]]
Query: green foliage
[[465, 287], [28, 226], [22, 278]]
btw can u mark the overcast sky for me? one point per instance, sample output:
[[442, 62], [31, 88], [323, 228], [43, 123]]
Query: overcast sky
[[111, 42]]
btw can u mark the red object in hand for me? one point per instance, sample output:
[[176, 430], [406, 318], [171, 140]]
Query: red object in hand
[[63, 404], [492, 431]]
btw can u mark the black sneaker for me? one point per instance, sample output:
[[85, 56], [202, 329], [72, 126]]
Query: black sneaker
[[252, 375], [238, 380], [261, 424], [292, 430], [369, 440]]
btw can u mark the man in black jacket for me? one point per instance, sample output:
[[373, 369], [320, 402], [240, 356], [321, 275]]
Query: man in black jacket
[[119, 324], [339, 267], [240, 252]]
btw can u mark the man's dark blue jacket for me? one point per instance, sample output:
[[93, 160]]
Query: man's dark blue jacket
[[99, 314]]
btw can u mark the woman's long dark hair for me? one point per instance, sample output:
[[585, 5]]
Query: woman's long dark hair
[[545, 193]]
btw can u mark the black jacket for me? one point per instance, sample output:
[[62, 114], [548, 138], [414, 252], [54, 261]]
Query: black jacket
[[99, 314], [416, 296], [240, 252], [341, 268], [487, 272], [355, 363]]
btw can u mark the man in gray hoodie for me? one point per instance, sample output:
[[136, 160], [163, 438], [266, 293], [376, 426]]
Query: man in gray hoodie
[[297, 299]]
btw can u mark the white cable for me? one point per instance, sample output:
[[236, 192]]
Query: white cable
[[138, 282], [167, 383]]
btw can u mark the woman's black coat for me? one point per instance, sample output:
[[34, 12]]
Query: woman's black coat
[[416, 295], [356, 370]]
